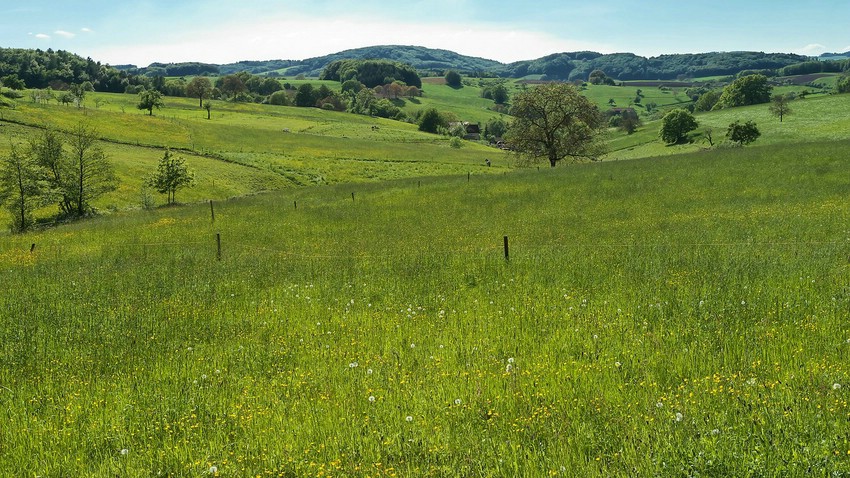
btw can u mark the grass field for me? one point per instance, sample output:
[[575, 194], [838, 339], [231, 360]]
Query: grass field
[[682, 315]]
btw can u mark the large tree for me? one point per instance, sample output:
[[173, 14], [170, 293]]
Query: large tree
[[676, 125], [743, 133], [22, 188], [555, 121], [90, 173], [47, 151], [200, 87], [747, 90], [150, 99]]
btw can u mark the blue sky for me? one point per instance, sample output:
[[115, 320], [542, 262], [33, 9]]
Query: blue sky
[[216, 31]]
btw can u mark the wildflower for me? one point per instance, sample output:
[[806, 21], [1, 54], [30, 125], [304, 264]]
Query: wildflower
[[413, 346], [458, 401], [509, 368], [836, 386], [679, 417], [409, 418], [715, 432], [372, 398], [124, 452], [511, 360], [353, 365], [659, 405], [368, 371], [213, 470]]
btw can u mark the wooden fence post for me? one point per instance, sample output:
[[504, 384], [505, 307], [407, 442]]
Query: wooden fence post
[[218, 246], [212, 211], [32, 248], [507, 252]]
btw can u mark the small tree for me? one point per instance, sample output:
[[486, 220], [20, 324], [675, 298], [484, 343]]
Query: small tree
[[780, 106], [676, 125], [171, 175], [744, 133], [208, 107], [453, 79], [90, 174], [150, 99], [843, 85], [22, 189], [200, 88]]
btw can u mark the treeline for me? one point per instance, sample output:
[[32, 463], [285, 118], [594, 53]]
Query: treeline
[[627, 66], [24, 68]]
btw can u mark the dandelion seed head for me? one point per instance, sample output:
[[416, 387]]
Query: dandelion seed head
[[659, 405], [413, 346], [368, 371], [353, 365], [372, 398], [213, 470], [836, 386], [679, 416], [617, 364], [458, 401], [409, 418], [124, 452], [511, 360], [509, 368]]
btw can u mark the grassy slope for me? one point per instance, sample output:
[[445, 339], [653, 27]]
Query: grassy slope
[[683, 313]]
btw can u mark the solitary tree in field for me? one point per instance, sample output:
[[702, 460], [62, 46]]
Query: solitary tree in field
[[171, 175], [676, 125], [208, 107], [555, 121], [22, 188], [453, 79], [780, 106], [150, 99], [200, 88], [744, 133]]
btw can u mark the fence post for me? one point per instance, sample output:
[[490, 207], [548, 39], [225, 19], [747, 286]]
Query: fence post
[[507, 252], [295, 203], [32, 248], [218, 246], [212, 211], [352, 197]]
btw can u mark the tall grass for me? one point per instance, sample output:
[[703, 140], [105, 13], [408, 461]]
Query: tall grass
[[672, 316]]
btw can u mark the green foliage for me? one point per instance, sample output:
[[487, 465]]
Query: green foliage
[[200, 88], [843, 85], [88, 174], [676, 125], [371, 72], [430, 121], [171, 174], [453, 79], [306, 96], [555, 121], [279, 98], [743, 133], [780, 107], [22, 188], [150, 99], [707, 100], [495, 128], [744, 91]]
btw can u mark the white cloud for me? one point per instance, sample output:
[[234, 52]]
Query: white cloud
[[64, 34], [297, 38], [86, 30], [42, 36], [812, 49]]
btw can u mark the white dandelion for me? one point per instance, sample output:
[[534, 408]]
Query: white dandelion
[[409, 418], [836, 386], [372, 398]]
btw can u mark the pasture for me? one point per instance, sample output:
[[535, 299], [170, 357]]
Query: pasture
[[682, 315]]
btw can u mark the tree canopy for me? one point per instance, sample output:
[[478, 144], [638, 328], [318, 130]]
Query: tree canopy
[[555, 121], [372, 73], [745, 91], [676, 125]]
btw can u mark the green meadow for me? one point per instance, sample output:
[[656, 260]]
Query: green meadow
[[682, 313]]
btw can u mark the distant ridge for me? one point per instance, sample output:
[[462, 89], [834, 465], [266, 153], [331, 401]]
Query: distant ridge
[[558, 66]]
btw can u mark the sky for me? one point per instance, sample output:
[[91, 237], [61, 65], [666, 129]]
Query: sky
[[144, 31]]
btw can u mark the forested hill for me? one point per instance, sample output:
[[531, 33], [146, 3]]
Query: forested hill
[[559, 66]]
